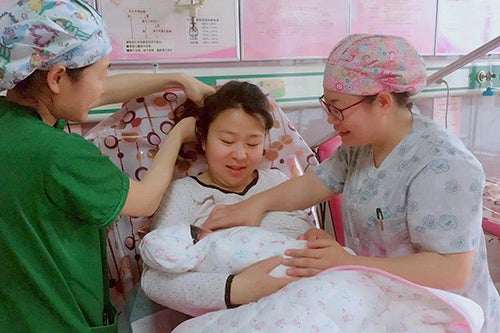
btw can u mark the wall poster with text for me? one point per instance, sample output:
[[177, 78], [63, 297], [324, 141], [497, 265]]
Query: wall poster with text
[[414, 20], [172, 30], [465, 25], [292, 29]]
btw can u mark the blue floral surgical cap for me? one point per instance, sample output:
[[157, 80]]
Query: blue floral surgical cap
[[38, 34]]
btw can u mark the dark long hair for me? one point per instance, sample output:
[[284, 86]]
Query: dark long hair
[[234, 94]]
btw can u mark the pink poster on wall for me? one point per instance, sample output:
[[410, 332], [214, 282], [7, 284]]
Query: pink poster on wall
[[414, 20], [171, 31], [292, 29], [464, 25]]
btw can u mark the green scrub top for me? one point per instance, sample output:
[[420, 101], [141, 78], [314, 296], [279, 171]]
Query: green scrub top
[[57, 195]]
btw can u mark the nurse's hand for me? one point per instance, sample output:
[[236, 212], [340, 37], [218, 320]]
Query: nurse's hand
[[185, 129], [196, 90], [322, 252], [245, 213], [254, 282]]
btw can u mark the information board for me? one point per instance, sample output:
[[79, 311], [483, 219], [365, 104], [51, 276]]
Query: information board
[[465, 25], [414, 20], [174, 31], [292, 29], [171, 30]]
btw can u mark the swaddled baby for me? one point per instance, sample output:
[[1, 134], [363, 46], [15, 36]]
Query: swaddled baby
[[182, 247]]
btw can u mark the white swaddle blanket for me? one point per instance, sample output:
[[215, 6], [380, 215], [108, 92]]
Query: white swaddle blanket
[[347, 299], [225, 251], [342, 299]]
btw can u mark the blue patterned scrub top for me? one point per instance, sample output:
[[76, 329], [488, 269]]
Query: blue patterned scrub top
[[429, 192]]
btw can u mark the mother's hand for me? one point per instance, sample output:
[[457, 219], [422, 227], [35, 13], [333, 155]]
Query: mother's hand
[[254, 282]]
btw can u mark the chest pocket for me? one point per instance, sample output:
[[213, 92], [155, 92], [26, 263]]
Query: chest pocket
[[387, 239], [391, 238]]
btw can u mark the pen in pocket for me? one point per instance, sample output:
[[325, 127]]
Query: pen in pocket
[[380, 218]]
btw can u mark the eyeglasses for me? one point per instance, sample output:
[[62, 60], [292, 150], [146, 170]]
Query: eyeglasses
[[337, 113]]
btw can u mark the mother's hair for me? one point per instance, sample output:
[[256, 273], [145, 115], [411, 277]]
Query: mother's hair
[[234, 94]]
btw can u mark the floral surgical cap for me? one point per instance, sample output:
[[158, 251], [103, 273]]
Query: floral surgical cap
[[363, 64], [37, 34]]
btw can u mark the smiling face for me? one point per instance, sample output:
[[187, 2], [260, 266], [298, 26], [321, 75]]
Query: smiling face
[[359, 120], [78, 96], [234, 147], [62, 93]]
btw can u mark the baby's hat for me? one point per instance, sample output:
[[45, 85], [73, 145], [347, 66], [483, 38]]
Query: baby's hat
[[364, 64], [39, 34], [170, 248]]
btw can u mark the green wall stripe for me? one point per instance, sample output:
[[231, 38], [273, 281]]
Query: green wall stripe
[[212, 80]]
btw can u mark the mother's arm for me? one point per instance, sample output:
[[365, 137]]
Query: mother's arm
[[192, 293], [196, 293]]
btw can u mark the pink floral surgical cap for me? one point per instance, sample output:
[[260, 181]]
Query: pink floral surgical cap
[[363, 64], [37, 34]]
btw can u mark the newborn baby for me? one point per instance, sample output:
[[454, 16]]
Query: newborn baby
[[182, 247]]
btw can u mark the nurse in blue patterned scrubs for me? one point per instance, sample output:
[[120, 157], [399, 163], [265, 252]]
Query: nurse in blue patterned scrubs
[[411, 191]]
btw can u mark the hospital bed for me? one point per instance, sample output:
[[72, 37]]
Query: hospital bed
[[131, 137]]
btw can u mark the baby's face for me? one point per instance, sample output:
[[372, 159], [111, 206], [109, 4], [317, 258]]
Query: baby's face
[[198, 233]]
